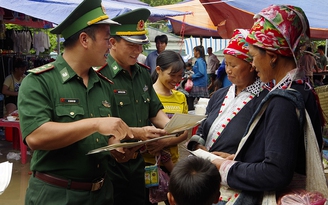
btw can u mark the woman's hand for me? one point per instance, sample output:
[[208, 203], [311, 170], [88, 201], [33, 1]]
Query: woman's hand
[[199, 146], [218, 162], [224, 155]]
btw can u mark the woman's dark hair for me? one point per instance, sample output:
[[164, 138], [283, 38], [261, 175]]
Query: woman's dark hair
[[20, 63], [167, 59], [201, 51]]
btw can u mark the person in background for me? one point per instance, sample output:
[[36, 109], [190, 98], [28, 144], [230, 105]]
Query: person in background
[[53, 54], [222, 75], [194, 181], [308, 65], [169, 70], [64, 110], [274, 152], [12, 83], [212, 65], [141, 58], [322, 58], [230, 109], [188, 71], [199, 78], [136, 103], [161, 43]]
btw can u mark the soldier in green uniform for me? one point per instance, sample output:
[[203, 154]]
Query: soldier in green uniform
[[65, 110], [136, 103]]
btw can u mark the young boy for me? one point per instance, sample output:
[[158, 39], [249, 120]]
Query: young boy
[[194, 181]]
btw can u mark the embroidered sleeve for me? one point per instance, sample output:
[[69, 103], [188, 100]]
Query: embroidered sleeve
[[224, 170]]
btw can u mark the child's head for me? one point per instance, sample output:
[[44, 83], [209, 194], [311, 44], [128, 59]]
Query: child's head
[[188, 66], [194, 181]]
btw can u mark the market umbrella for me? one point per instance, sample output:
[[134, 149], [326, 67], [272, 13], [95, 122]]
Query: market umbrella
[[229, 15], [197, 24]]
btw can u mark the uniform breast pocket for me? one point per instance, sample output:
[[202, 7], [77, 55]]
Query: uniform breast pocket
[[105, 112], [122, 101], [146, 98], [69, 112]]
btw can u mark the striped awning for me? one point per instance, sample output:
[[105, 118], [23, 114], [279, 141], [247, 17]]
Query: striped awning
[[216, 44]]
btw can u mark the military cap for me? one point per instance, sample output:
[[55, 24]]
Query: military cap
[[132, 27], [87, 13]]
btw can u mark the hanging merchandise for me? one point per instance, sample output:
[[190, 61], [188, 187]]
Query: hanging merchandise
[[22, 41], [2, 25], [40, 42]]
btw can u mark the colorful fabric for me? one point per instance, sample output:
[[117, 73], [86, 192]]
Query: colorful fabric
[[279, 28], [238, 46]]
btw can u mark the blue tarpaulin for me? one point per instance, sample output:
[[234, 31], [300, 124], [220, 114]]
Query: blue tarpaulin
[[56, 11]]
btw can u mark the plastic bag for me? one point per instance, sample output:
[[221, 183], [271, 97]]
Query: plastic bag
[[159, 193], [13, 155], [302, 197], [188, 85]]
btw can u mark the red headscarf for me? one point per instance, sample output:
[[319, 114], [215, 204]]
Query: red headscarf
[[279, 28], [238, 46]]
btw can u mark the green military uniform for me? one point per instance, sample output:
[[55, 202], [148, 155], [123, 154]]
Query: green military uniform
[[55, 93], [135, 102], [58, 95]]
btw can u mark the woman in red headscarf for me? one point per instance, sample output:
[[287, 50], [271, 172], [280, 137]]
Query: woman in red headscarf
[[274, 150], [230, 108]]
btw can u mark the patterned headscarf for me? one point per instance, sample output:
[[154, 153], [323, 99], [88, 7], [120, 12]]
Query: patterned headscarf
[[279, 28], [238, 46]]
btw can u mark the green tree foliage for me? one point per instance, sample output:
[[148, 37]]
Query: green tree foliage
[[160, 2]]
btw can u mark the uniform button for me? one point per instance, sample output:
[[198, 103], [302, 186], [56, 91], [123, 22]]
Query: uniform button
[[91, 115], [97, 140], [108, 115], [148, 100], [121, 103], [139, 120], [137, 101], [98, 166], [71, 113]]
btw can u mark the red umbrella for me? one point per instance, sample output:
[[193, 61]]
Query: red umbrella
[[229, 15]]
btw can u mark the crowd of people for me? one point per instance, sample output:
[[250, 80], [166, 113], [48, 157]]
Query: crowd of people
[[96, 93]]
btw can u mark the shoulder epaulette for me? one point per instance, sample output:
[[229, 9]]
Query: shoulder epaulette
[[42, 69], [104, 77], [144, 66], [97, 69]]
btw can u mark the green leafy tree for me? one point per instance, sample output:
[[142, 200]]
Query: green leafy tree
[[160, 2]]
